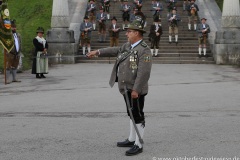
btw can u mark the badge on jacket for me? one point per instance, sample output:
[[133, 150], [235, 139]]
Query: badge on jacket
[[147, 58]]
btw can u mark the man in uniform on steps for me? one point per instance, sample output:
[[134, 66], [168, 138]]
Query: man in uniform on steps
[[91, 9], [203, 29], [138, 4], [157, 8], [114, 30], [155, 35], [125, 13], [173, 20], [86, 29], [106, 5], [192, 9], [132, 71], [101, 18]]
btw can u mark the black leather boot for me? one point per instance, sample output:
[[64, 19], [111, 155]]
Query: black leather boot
[[134, 151], [125, 143], [38, 76], [42, 76]]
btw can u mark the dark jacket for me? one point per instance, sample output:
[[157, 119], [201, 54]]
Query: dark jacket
[[153, 32], [38, 47]]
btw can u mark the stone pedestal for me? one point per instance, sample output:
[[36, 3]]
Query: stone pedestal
[[227, 42], [60, 39]]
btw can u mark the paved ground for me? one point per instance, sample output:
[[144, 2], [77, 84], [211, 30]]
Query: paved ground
[[192, 110]]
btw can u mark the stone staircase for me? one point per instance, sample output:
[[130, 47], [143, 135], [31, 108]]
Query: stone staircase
[[186, 52]]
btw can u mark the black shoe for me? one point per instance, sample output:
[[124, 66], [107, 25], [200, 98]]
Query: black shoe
[[38, 76], [176, 43], [125, 143], [169, 42], [134, 151], [42, 76], [206, 56], [199, 56]]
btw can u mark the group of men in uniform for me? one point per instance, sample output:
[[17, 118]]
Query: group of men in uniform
[[173, 19]]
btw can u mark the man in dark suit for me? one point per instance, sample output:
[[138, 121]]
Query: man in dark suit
[[155, 35], [203, 29], [114, 30]]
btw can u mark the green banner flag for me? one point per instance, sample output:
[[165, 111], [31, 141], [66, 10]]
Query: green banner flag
[[6, 38]]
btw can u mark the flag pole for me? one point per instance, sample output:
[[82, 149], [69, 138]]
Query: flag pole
[[5, 66]]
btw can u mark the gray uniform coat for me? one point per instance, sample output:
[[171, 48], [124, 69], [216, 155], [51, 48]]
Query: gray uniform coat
[[133, 70], [91, 8], [83, 26], [200, 28], [104, 17]]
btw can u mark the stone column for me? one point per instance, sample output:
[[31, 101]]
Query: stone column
[[60, 39], [227, 43], [60, 14]]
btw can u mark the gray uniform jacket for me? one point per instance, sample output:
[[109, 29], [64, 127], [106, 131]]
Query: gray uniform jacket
[[176, 20], [83, 26], [158, 6], [200, 28], [103, 18], [91, 8], [132, 71]]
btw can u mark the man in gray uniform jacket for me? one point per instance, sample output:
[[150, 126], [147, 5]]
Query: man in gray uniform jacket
[[132, 69]]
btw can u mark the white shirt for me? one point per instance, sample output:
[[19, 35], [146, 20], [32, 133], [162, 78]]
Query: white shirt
[[204, 26], [16, 41], [156, 27], [114, 26]]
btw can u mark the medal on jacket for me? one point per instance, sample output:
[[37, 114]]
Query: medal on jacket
[[133, 61]]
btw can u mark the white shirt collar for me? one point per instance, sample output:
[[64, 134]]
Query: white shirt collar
[[136, 43]]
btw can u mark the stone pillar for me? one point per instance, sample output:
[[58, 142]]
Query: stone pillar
[[60, 39], [227, 43]]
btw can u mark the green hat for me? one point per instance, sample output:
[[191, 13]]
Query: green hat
[[138, 23], [40, 29]]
